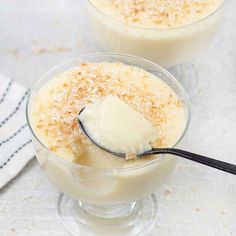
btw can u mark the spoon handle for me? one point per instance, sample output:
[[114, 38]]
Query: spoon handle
[[224, 166]]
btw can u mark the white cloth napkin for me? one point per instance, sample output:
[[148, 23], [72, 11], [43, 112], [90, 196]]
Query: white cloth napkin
[[15, 143]]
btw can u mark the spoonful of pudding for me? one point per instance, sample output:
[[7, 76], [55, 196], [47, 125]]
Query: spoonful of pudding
[[117, 128]]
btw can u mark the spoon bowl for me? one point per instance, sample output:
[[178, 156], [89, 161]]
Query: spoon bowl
[[94, 142]]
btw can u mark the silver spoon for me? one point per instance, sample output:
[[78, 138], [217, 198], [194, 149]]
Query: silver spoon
[[224, 166]]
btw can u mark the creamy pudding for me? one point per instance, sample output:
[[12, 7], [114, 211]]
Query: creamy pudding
[[77, 166], [166, 32], [114, 125]]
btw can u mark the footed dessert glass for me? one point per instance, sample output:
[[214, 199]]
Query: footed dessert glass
[[171, 47], [96, 201]]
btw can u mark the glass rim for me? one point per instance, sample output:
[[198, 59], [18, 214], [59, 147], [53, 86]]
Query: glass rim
[[157, 28], [186, 99]]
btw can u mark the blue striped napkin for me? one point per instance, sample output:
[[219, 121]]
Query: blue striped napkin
[[15, 143]]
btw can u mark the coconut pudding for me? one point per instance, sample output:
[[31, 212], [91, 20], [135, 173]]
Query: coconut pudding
[[155, 114], [166, 32]]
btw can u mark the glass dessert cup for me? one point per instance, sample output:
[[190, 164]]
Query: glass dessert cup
[[173, 48], [99, 201]]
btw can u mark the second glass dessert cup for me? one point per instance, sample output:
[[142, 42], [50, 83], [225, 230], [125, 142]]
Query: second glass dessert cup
[[171, 47], [98, 201]]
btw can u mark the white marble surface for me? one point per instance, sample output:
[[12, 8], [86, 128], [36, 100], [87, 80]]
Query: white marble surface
[[37, 34]]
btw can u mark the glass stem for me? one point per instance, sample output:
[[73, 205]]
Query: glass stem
[[108, 211]]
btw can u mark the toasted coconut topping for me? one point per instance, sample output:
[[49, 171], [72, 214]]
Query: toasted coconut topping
[[56, 106], [158, 13]]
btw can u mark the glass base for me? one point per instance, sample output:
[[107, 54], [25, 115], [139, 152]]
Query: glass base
[[136, 218], [187, 75]]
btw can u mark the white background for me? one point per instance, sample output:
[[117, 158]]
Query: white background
[[198, 201]]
